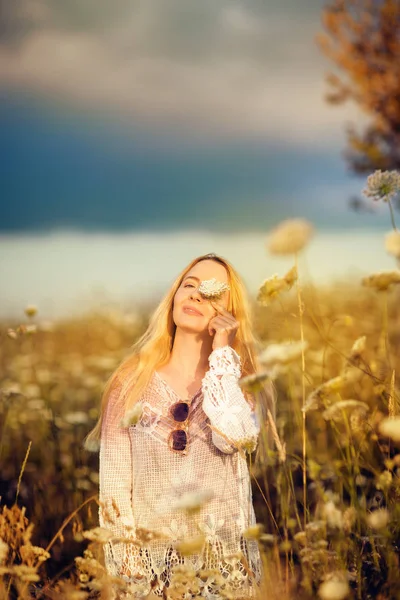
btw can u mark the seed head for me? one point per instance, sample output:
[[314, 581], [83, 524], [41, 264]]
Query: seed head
[[382, 185]]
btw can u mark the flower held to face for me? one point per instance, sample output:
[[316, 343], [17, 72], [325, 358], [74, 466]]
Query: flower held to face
[[213, 289]]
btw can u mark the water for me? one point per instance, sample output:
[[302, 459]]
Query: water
[[66, 273]]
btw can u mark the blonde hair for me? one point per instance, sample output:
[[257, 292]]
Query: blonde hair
[[153, 348]]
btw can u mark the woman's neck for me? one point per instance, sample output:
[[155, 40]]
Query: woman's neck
[[190, 354]]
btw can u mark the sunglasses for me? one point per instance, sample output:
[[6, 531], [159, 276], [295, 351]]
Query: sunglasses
[[177, 439]]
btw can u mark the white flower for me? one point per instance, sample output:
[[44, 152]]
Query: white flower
[[290, 236], [381, 281], [283, 353], [392, 243], [378, 519], [390, 427], [382, 185], [76, 418], [334, 590], [101, 535], [274, 285], [335, 411], [192, 502], [212, 289]]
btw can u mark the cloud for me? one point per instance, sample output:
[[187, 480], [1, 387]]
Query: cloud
[[222, 67]]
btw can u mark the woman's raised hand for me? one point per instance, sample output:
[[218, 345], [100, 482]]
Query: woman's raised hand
[[224, 325]]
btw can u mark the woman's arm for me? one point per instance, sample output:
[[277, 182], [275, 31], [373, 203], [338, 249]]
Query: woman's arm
[[115, 485], [225, 404]]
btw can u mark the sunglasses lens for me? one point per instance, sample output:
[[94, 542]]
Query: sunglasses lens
[[180, 411], [179, 439]]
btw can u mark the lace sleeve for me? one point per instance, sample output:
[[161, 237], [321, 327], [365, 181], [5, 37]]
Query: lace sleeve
[[115, 484], [225, 404]]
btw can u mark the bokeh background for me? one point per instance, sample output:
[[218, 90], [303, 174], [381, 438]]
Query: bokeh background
[[138, 135]]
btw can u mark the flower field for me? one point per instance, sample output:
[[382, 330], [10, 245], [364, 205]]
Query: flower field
[[326, 495]]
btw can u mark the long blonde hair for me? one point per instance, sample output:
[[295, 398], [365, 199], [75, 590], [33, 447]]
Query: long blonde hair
[[153, 348]]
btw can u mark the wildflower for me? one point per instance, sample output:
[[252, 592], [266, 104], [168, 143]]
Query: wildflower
[[336, 588], [76, 418], [191, 546], [333, 515], [334, 411], [301, 538], [30, 310], [283, 353], [25, 573], [254, 532], [273, 286], [384, 480], [290, 236], [378, 519], [253, 382], [212, 289], [132, 416], [381, 281], [392, 243], [390, 427], [192, 502], [100, 535], [382, 185]]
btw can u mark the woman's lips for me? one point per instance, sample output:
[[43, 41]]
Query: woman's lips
[[192, 311]]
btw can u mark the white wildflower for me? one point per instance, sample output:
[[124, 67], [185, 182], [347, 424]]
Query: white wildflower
[[253, 382], [378, 519], [381, 281], [274, 285], [191, 546], [382, 185], [335, 411], [283, 353], [290, 236], [254, 532], [392, 243], [333, 515], [212, 289], [76, 418], [335, 589], [132, 416], [390, 427], [192, 502], [101, 535]]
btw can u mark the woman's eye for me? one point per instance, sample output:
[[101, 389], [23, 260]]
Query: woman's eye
[[188, 285]]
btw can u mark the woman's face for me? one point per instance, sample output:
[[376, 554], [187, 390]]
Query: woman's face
[[187, 296]]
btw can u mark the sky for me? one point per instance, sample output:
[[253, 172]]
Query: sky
[[165, 119]]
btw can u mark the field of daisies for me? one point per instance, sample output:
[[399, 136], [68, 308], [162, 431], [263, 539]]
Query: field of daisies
[[326, 492]]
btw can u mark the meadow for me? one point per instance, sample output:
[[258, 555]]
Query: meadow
[[326, 494]]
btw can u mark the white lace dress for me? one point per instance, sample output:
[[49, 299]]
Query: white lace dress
[[145, 479]]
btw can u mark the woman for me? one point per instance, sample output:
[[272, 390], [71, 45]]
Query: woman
[[174, 429]]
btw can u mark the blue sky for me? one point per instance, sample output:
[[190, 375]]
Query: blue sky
[[169, 116]]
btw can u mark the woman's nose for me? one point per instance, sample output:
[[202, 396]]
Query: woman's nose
[[195, 294]]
